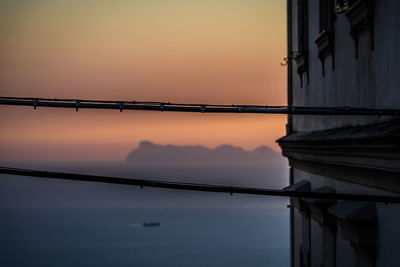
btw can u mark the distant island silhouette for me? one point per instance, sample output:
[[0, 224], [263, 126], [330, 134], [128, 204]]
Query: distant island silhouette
[[149, 152]]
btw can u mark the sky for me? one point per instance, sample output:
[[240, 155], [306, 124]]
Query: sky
[[209, 51]]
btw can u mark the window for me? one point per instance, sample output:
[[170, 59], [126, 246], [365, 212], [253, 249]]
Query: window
[[302, 25], [325, 15], [325, 39], [302, 56]]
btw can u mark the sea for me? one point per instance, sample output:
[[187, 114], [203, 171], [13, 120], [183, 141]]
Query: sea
[[51, 222]]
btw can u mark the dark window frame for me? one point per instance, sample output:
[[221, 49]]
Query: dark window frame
[[325, 40], [302, 40]]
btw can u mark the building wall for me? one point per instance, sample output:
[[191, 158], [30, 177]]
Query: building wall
[[372, 80]]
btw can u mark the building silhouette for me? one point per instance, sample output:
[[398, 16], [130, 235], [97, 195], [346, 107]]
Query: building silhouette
[[344, 53]]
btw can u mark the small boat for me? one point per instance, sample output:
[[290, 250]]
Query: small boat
[[151, 224]]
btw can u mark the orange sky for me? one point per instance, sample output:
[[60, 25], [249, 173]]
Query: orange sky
[[210, 51]]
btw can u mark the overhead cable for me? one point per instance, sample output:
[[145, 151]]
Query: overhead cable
[[198, 187], [201, 108]]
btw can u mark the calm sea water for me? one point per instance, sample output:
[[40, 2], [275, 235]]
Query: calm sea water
[[47, 222]]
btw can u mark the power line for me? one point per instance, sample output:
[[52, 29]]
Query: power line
[[198, 187], [181, 107]]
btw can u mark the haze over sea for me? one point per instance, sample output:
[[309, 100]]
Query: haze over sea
[[49, 222]]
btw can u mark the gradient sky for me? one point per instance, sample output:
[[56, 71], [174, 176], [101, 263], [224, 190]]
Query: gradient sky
[[209, 51]]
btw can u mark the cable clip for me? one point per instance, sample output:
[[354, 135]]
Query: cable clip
[[121, 106], [240, 109], [202, 108], [77, 103], [35, 102], [162, 107]]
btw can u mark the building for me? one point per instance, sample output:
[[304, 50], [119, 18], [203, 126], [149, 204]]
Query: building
[[344, 53]]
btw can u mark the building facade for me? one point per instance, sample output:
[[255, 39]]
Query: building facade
[[344, 53]]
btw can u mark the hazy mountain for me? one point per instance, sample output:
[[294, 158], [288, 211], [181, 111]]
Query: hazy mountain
[[151, 153]]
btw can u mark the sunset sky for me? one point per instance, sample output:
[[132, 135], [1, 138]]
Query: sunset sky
[[209, 51]]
